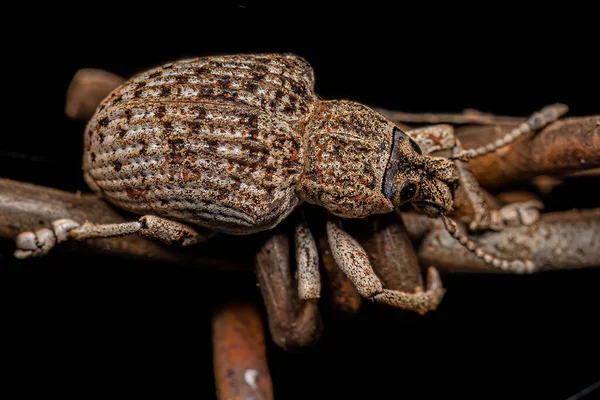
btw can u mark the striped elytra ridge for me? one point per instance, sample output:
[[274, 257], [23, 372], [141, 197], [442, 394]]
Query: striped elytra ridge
[[222, 142]]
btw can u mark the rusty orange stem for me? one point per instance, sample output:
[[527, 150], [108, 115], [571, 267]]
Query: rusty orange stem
[[239, 353], [568, 145]]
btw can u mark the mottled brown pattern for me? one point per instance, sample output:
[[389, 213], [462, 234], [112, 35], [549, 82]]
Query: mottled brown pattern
[[235, 143], [213, 141], [348, 149]]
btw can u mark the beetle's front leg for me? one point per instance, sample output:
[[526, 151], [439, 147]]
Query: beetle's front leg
[[39, 243], [353, 260], [441, 137]]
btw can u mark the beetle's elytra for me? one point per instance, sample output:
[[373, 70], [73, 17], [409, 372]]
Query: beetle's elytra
[[235, 143]]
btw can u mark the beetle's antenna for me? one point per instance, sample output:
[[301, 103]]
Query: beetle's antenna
[[517, 266], [536, 121]]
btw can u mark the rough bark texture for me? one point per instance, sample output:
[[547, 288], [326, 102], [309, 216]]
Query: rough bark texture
[[239, 354], [345, 299], [27, 207], [293, 323], [391, 252], [559, 240], [566, 146], [87, 89]]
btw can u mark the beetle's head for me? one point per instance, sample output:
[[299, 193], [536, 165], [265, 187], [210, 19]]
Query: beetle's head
[[428, 183]]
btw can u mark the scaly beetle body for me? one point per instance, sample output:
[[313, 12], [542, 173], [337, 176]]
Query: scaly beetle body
[[236, 143]]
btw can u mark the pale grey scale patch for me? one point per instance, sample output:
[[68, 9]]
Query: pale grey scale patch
[[209, 216], [176, 72], [207, 186], [232, 200], [250, 63], [120, 171], [301, 69], [193, 213], [196, 212], [190, 211], [173, 199], [227, 144], [266, 93], [193, 63], [119, 186], [254, 175]]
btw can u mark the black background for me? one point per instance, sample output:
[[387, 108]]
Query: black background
[[75, 326]]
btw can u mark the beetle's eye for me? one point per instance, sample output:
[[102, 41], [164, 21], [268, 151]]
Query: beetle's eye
[[408, 192]]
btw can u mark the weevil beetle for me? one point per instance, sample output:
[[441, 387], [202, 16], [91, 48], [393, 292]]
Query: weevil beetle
[[234, 144]]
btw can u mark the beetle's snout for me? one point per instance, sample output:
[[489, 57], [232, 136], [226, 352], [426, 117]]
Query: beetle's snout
[[434, 195], [444, 170]]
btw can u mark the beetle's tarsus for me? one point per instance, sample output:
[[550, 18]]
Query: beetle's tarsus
[[354, 262], [39, 243], [35, 244], [420, 301], [526, 213]]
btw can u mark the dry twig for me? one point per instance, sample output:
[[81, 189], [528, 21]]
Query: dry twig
[[558, 241], [345, 299], [27, 207], [293, 323], [88, 88], [239, 354], [566, 146], [391, 252]]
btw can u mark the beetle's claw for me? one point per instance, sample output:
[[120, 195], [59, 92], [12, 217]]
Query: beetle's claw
[[526, 213], [35, 244]]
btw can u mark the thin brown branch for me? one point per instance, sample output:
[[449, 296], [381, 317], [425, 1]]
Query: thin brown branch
[[87, 89], [391, 252], [239, 353], [343, 296], [559, 240], [293, 323], [566, 146], [27, 207]]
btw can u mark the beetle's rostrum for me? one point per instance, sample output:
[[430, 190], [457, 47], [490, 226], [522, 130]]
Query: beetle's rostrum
[[234, 144]]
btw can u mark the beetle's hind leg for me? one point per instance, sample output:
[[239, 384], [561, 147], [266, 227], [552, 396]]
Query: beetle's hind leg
[[39, 243], [353, 260]]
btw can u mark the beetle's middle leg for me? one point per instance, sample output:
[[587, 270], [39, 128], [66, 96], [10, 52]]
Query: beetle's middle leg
[[441, 137], [34, 244], [307, 260], [353, 260]]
